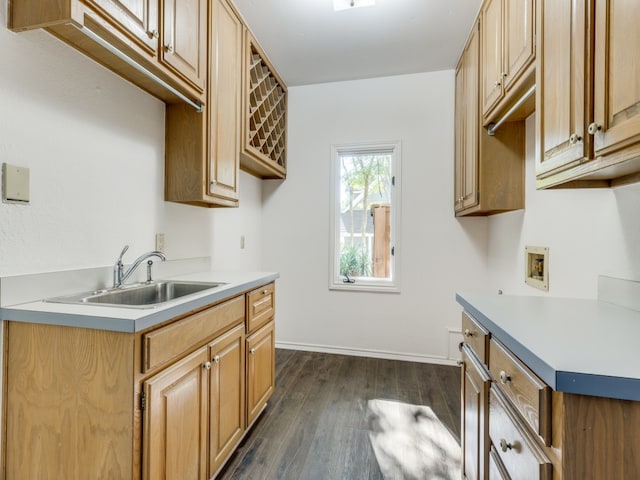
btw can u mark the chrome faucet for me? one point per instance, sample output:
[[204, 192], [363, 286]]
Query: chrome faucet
[[120, 275]]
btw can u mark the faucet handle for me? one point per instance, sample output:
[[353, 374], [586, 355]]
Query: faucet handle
[[124, 250]]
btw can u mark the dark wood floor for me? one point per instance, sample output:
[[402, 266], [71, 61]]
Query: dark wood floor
[[315, 426]]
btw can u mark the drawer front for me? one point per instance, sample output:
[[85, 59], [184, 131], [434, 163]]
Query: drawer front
[[528, 394], [515, 445], [496, 468], [261, 306], [167, 343], [476, 336]]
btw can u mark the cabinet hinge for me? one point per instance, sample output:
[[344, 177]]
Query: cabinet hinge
[[143, 401]]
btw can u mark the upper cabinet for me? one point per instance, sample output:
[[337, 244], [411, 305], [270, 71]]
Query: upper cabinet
[[202, 150], [166, 57], [616, 119], [563, 78], [467, 126], [588, 100], [264, 116], [138, 17], [489, 169], [507, 55], [184, 37]]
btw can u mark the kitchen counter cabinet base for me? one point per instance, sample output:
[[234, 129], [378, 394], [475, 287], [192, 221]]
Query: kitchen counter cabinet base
[[86, 403], [62, 386], [590, 436]]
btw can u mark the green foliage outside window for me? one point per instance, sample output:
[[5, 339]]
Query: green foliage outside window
[[355, 262]]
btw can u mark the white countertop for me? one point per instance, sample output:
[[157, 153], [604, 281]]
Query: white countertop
[[575, 345], [136, 319]]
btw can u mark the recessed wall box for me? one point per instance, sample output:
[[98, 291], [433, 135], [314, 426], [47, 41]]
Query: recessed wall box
[[537, 267], [15, 184]]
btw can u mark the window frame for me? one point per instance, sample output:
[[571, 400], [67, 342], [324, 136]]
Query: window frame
[[365, 284]]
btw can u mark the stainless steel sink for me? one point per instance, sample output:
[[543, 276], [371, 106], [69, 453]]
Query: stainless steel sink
[[141, 295]]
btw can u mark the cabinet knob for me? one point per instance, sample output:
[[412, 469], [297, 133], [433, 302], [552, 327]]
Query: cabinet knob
[[504, 445], [168, 47], [460, 363], [265, 291], [504, 377], [497, 84], [575, 138], [213, 183], [504, 75], [252, 351], [468, 333], [152, 34], [207, 366], [593, 128], [216, 359]]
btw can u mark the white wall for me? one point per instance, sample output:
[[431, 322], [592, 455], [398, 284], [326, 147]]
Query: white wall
[[588, 231], [439, 254], [94, 145]]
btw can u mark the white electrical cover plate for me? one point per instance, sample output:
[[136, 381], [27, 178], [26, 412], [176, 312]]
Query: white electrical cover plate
[[15, 184]]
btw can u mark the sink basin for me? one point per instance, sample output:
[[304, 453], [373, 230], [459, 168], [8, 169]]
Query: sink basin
[[141, 295]]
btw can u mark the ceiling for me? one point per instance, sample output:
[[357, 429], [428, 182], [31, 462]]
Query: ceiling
[[308, 42]]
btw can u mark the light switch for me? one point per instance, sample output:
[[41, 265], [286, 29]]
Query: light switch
[[15, 184]]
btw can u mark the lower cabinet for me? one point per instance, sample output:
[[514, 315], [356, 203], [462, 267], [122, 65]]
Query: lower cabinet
[[175, 420], [514, 426], [171, 402], [260, 370], [475, 414], [227, 396]]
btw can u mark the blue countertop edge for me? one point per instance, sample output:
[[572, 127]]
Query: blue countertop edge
[[562, 381], [148, 317]]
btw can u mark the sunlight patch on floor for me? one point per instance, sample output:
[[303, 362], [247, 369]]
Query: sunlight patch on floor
[[410, 442]]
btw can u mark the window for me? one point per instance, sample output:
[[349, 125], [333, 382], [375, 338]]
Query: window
[[365, 215]]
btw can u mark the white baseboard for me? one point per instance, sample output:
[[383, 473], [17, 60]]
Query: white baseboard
[[357, 352]]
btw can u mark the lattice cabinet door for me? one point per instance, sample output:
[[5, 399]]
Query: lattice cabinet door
[[264, 138]]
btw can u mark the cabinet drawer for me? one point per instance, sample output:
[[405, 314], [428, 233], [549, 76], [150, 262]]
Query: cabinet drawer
[[528, 394], [476, 336], [166, 343], [516, 447], [260, 306]]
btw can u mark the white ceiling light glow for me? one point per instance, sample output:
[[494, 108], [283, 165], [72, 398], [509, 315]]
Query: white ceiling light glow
[[347, 4]]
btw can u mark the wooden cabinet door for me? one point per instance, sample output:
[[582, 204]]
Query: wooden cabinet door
[[260, 370], [138, 17], [467, 126], [475, 414], [562, 77], [175, 420], [617, 76], [519, 44], [227, 396], [491, 56], [225, 84], [459, 143], [184, 40]]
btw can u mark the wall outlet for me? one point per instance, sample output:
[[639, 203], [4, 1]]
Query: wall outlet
[[160, 242]]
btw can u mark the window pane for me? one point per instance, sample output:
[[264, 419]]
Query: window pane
[[365, 215]]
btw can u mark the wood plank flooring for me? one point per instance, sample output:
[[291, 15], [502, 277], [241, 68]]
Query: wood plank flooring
[[315, 426]]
